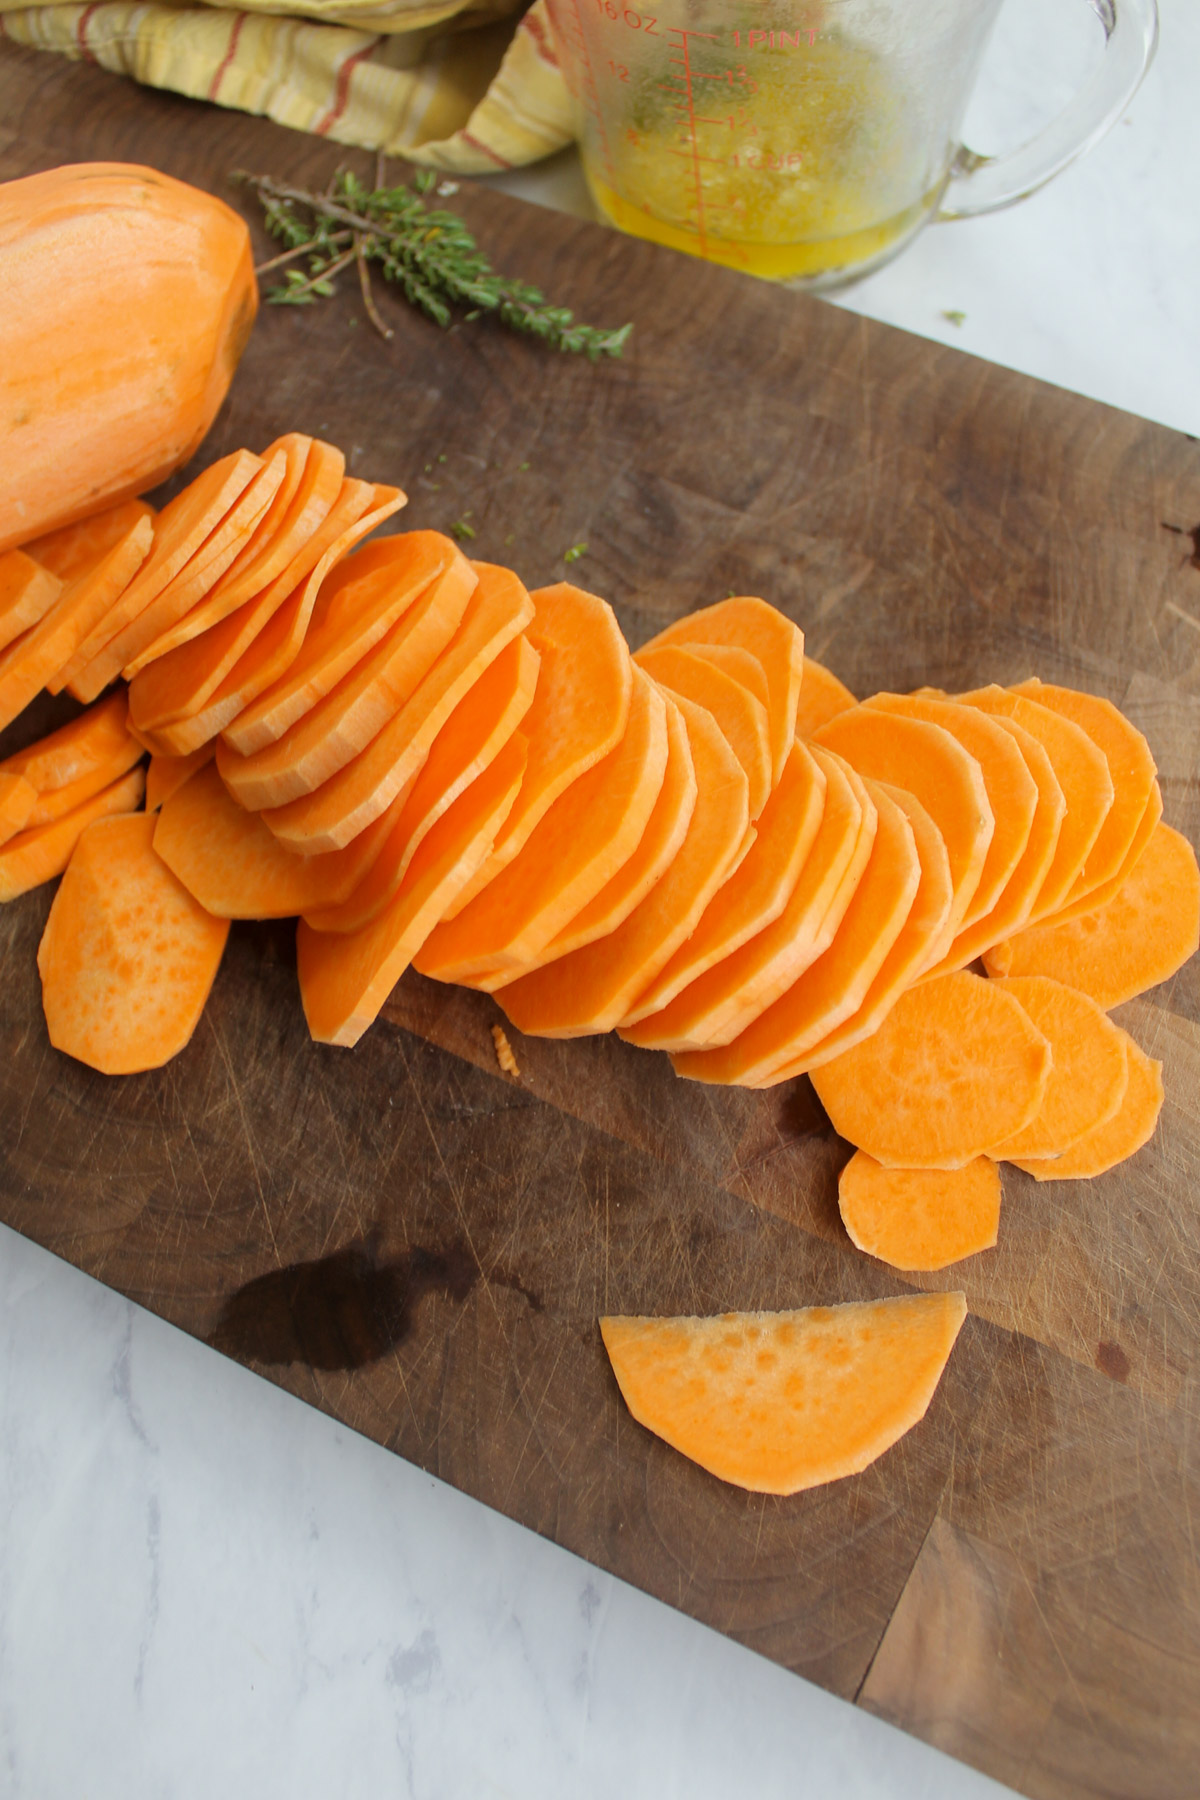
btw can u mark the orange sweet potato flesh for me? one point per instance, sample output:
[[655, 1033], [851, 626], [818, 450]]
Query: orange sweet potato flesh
[[1108, 890], [167, 774], [1087, 1075], [76, 549], [592, 988], [89, 741], [32, 857], [1012, 792], [780, 1402], [214, 678], [957, 1065], [38, 658], [346, 718], [18, 798], [832, 988], [360, 599], [740, 666], [579, 712], [920, 1219], [1119, 1137], [236, 869], [498, 611], [179, 531], [1081, 770], [760, 887], [928, 762], [718, 1004], [589, 833], [62, 800], [741, 717], [1140, 938], [311, 482], [468, 743], [660, 843], [128, 957], [1130, 765], [346, 977], [918, 944], [822, 697], [746, 623], [27, 592]]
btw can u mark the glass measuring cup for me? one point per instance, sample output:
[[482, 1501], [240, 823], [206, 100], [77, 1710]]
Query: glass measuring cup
[[809, 140]]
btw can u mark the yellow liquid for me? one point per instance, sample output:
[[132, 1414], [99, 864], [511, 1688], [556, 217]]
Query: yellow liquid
[[812, 175]]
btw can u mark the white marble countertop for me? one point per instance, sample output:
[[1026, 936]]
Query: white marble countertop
[[208, 1589]]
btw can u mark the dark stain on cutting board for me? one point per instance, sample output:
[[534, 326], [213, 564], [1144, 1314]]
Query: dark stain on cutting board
[[422, 1247]]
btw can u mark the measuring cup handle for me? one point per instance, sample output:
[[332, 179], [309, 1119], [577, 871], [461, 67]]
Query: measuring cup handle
[[981, 184]]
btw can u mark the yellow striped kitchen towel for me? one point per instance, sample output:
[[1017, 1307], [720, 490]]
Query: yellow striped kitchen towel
[[450, 85]]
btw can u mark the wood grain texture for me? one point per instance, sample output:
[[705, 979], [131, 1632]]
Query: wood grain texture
[[420, 1244]]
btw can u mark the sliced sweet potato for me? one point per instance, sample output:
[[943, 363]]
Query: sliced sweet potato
[[929, 763], [822, 697], [746, 623], [237, 869], [1108, 890], [591, 989], [37, 659], [346, 718], [27, 592], [740, 665], [18, 798], [75, 550], [1130, 765], [166, 774], [1012, 792], [498, 610], [346, 977], [179, 531], [62, 800], [660, 843], [833, 987], [578, 714], [194, 581], [91, 741], [1081, 770], [955, 1067], [127, 958], [179, 684], [741, 717], [921, 1219], [1140, 938], [1131, 1126], [756, 893], [32, 857], [1087, 1075], [779, 1402], [918, 944], [468, 743], [589, 833], [311, 482], [720, 1003], [360, 599]]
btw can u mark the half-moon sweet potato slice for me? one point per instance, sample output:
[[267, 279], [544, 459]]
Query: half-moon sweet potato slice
[[1088, 1071], [920, 1219], [779, 1402]]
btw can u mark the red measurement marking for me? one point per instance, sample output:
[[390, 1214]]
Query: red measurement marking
[[696, 158]]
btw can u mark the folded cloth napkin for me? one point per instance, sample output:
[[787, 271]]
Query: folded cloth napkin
[[450, 85]]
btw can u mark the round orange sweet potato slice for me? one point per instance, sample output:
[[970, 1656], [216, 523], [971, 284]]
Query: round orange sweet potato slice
[[739, 665], [928, 762], [741, 717], [1131, 1126], [822, 697], [920, 1219], [745, 623], [128, 957], [721, 1002], [1147, 932], [779, 1402], [758, 890], [833, 987], [1108, 890], [956, 1066], [592, 988], [1088, 1076], [167, 774]]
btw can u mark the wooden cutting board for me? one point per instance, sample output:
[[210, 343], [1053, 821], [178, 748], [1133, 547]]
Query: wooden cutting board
[[421, 1245]]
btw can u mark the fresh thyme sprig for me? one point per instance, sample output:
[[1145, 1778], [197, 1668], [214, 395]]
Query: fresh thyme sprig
[[426, 252]]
